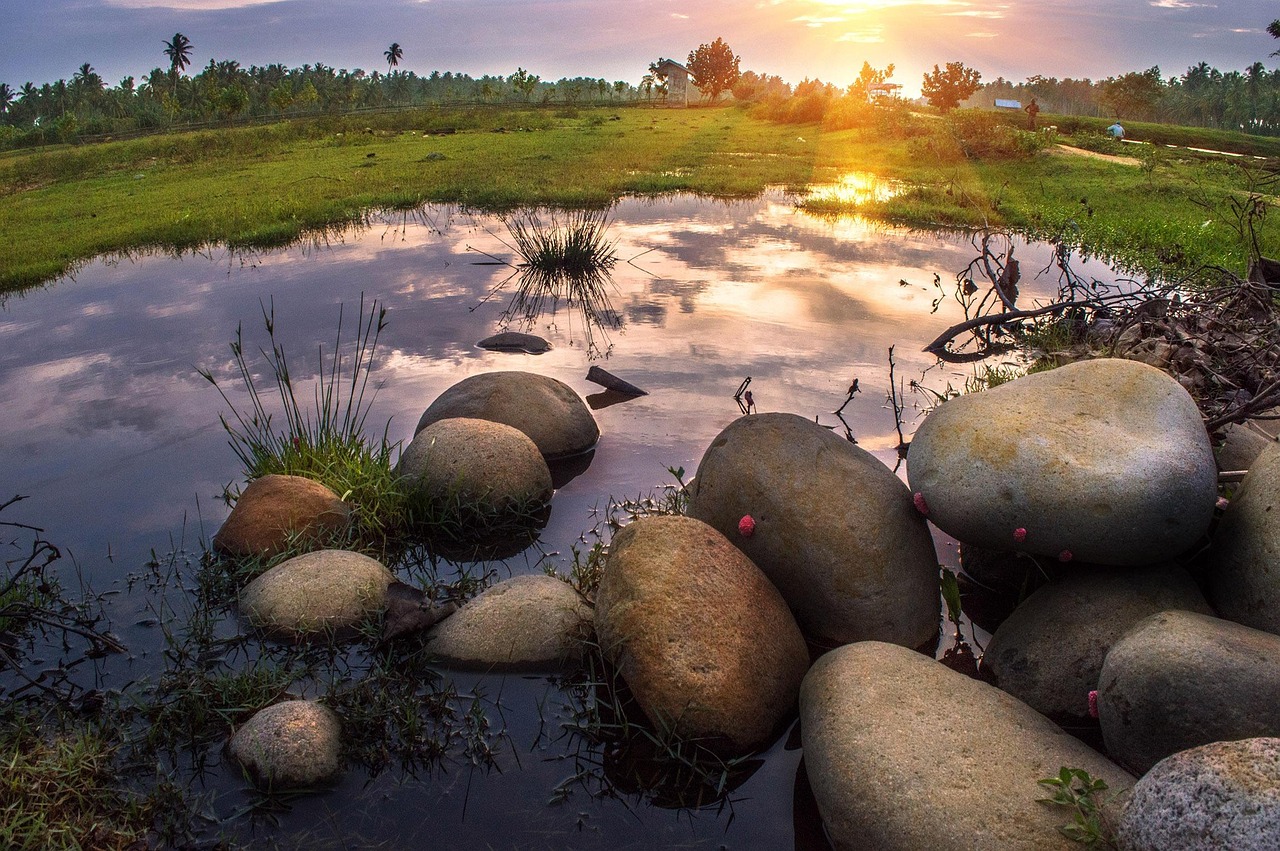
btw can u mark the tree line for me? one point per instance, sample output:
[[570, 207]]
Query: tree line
[[223, 90]]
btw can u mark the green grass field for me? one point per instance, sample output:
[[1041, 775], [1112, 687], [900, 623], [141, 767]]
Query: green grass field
[[264, 186]]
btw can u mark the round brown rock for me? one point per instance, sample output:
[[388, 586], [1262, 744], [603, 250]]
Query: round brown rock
[[835, 530], [904, 753], [547, 410], [289, 745], [324, 591], [527, 623], [1106, 460], [702, 638], [1178, 680], [1244, 564], [490, 467], [1049, 652], [277, 511]]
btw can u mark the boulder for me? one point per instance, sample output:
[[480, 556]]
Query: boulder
[[705, 643], [1178, 680], [1049, 652], [276, 512], [1241, 445], [834, 529], [289, 745], [476, 466], [321, 592], [1103, 461], [1244, 563], [527, 623], [904, 753], [1220, 795], [547, 410]]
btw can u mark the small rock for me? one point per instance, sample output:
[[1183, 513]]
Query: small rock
[[609, 381], [547, 410], [1178, 680], [276, 512], [322, 592], [527, 623], [904, 753], [1107, 459], [514, 341], [705, 643], [289, 745]]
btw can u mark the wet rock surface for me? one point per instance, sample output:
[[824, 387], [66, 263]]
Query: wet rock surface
[[317, 593], [276, 512], [289, 745]]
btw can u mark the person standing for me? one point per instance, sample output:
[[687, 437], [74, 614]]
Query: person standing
[[1032, 109]]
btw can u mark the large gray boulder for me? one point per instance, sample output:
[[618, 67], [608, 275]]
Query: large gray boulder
[[835, 530], [1178, 680], [549, 411], [904, 753], [323, 592], [527, 623], [1104, 461], [705, 643], [277, 512], [1244, 564], [477, 466], [1220, 795], [1049, 652], [289, 745]]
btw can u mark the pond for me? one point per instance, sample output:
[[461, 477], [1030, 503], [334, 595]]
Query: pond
[[116, 439]]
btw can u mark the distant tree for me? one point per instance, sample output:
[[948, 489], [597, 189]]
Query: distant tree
[[1135, 93], [946, 89], [714, 68], [393, 55], [1274, 29], [868, 77], [6, 97]]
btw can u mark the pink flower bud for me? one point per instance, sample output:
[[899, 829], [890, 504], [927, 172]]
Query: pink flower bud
[[1020, 534], [1223, 502], [746, 526], [1065, 556], [921, 505], [1093, 704]]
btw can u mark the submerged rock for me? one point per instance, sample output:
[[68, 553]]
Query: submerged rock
[[1103, 461], [553, 416], [1244, 563], [514, 341], [322, 592], [904, 753], [1178, 680], [276, 512], [527, 623], [705, 643], [1049, 652], [1220, 795], [289, 745], [834, 529]]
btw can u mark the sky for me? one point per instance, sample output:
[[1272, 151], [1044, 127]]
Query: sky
[[44, 40]]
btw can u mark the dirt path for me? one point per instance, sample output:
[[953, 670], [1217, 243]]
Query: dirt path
[[1081, 152]]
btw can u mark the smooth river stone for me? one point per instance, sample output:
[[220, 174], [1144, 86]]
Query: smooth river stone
[[905, 754], [1104, 461], [1244, 564]]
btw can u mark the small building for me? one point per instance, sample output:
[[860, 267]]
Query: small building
[[883, 91], [679, 88], [1005, 103]]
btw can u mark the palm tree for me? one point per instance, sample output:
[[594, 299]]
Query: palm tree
[[6, 97], [179, 52], [393, 54], [1274, 29]]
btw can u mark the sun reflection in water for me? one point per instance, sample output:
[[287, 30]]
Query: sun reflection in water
[[852, 190]]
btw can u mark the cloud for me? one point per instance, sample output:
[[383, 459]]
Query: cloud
[[872, 35], [982, 35], [816, 21], [189, 5], [1181, 4], [992, 14]]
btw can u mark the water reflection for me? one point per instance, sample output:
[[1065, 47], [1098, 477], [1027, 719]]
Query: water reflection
[[112, 432]]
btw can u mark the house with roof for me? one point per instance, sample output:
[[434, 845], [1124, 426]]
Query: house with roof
[[680, 88]]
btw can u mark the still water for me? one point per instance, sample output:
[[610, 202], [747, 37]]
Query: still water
[[113, 435]]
